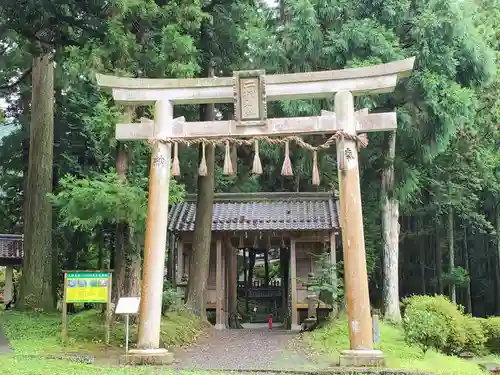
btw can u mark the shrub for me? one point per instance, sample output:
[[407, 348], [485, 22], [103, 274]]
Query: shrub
[[425, 329], [491, 328], [475, 335], [170, 298], [444, 311]]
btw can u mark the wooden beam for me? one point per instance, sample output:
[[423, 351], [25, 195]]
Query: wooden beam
[[325, 124], [219, 286], [360, 81], [293, 285]]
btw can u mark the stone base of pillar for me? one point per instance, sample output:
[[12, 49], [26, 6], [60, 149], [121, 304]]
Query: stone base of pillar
[[220, 327], [362, 358], [148, 357], [295, 328]]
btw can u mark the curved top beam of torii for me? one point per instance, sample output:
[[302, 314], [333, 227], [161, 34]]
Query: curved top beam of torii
[[359, 81]]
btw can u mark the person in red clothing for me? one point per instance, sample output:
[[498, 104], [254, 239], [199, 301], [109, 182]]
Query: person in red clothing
[[270, 322]]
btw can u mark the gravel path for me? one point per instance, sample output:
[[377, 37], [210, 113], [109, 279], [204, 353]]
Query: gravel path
[[4, 343], [248, 349]]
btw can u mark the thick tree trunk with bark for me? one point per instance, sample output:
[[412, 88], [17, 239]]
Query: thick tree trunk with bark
[[451, 252], [468, 296], [390, 234], [127, 262], [421, 257], [37, 278], [232, 285], [498, 259], [439, 260], [199, 264]]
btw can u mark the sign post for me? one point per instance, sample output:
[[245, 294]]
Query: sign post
[[86, 287], [127, 306]]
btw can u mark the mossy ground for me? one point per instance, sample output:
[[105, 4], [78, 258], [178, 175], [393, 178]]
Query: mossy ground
[[35, 337], [333, 338]]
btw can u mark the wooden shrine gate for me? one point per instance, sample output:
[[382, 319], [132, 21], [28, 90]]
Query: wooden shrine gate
[[250, 91]]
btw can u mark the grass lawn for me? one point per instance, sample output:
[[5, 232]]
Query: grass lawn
[[333, 339], [36, 341], [37, 337]]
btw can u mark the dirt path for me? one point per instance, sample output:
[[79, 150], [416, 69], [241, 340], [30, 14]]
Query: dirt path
[[248, 349], [4, 343]]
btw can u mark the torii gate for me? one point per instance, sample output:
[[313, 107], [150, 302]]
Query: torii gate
[[250, 91]]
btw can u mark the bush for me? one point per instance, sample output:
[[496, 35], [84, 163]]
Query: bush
[[453, 335], [491, 328], [170, 298], [425, 329], [476, 338]]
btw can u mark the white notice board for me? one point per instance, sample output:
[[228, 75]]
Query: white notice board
[[128, 305]]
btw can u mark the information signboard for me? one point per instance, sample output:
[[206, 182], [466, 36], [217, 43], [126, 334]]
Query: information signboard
[[90, 287], [86, 287]]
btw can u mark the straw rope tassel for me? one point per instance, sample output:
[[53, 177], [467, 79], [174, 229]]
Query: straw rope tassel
[[228, 166], [257, 165], [286, 170], [315, 174], [202, 170], [176, 169]]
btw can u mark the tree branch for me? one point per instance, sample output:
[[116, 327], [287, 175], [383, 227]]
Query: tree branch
[[17, 82]]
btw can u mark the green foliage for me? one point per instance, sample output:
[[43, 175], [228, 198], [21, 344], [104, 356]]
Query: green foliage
[[326, 283], [436, 309], [425, 329], [476, 337], [333, 338], [170, 298], [87, 203], [458, 277], [491, 328]]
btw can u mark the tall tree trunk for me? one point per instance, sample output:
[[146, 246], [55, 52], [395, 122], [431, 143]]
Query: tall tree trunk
[[390, 234], [451, 252], [127, 258], [439, 259], [37, 278], [120, 266], [232, 285], [199, 265], [422, 248], [468, 296], [498, 259]]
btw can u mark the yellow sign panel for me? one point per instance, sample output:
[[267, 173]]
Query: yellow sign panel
[[87, 287]]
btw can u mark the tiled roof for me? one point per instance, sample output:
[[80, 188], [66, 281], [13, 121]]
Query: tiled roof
[[261, 212], [11, 246]]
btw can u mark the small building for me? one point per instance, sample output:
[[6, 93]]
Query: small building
[[294, 228]]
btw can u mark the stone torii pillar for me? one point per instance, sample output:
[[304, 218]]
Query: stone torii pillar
[[250, 91]]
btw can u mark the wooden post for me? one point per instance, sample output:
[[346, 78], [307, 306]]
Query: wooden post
[[180, 260], [293, 281], [219, 286], [8, 293], [355, 272], [109, 310], [333, 262], [64, 325], [156, 233]]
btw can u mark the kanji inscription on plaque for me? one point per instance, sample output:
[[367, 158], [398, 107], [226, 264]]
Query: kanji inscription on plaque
[[250, 104]]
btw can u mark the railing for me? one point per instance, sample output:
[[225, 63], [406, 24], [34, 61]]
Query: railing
[[260, 284]]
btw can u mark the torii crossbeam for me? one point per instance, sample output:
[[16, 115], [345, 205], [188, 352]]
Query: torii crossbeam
[[250, 91]]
